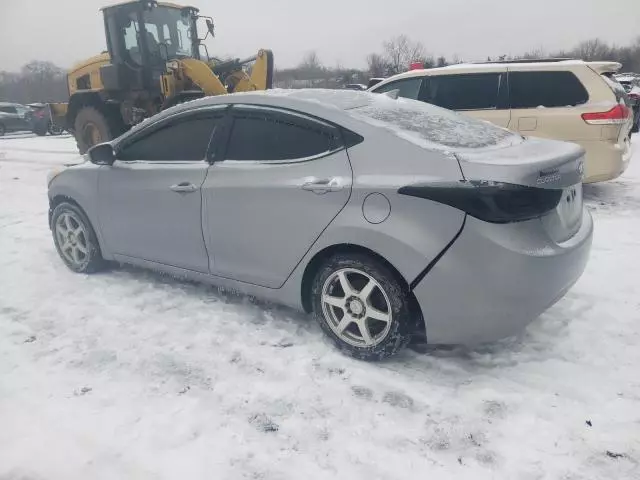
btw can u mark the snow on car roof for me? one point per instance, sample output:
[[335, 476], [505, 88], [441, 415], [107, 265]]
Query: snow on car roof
[[418, 122]]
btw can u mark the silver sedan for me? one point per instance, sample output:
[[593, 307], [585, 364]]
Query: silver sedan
[[385, 218]]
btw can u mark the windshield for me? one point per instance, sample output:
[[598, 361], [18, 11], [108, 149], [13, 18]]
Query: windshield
[[167, 27]]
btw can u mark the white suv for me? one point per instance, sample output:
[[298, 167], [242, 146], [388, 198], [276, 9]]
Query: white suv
[[567, 100]]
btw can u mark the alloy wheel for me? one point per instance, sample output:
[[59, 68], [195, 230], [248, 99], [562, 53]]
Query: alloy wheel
[[72, 239], [356, 307]]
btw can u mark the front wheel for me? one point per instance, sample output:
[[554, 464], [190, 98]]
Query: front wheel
[[75, 239], [361, 306]]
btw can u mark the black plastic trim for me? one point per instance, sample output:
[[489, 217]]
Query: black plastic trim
[[492, 202], [437, 258]]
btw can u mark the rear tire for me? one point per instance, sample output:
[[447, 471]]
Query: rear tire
[[93, 126], [41, 131], [360, 304], [75, 239]]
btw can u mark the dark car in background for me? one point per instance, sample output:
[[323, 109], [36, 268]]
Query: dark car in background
[[631, 84], [15, 117], [42, 122]]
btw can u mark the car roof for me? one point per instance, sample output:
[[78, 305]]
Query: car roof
[[501, 67], [10, 104], [365, 113]]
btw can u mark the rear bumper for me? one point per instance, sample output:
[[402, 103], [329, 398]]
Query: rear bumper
[[605, 161], [495, 279]]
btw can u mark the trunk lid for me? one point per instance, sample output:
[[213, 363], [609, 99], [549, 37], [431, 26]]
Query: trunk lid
[[537, 163], [533, 162]]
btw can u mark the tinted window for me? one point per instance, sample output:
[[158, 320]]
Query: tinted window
[[408, 88], [267, 136], [545, 89], [8, 109], [478, 91], [185, 140]]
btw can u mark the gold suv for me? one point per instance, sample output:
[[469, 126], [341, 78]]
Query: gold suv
[[568, 100]]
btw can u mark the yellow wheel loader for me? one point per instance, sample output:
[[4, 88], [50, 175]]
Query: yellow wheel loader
[[154, 61]]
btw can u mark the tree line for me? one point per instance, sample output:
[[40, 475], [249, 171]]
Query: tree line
[[41, 81]]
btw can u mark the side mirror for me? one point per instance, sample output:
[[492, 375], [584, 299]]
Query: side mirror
[[210, 26], [102, 154]]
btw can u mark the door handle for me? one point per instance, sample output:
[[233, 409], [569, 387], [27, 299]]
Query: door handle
[[184, 187], [324, 185]]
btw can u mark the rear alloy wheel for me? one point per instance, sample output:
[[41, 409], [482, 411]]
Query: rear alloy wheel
[[360, 304], [75, 239]]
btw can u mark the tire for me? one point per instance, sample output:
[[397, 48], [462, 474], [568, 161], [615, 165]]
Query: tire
[[93, 126], [3, 130], [40, 130], [76, 243], [387, 298], [54, 130]]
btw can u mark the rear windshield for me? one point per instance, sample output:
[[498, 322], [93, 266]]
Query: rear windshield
[[430, 126]]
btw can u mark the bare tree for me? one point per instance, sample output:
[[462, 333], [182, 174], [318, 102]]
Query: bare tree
[[377, 66], [400, 51], [37, 82], [311, 62], [594, 49]]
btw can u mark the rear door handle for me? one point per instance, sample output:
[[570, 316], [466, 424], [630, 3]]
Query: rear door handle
[[184, 187], [324, 185]]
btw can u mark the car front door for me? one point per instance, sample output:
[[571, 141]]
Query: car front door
[[282, 179], [150, 198]]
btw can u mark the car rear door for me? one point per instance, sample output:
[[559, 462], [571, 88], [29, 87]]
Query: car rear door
[[280, 181], [480, 95], [150, 203]]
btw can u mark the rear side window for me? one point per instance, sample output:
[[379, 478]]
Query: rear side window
[[546, 89], [477, 91], [8, 109], [184, 139], [271, 136], [407, 88]]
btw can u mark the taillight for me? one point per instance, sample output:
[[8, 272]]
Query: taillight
[[493, 202], [617, 115]]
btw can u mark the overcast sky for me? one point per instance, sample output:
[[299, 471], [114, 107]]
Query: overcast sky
[[340, 31]]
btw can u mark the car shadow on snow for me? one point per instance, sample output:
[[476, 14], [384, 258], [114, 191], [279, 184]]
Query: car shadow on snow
[[533, 344]]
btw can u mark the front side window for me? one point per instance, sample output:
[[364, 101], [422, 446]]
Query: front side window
[[271, 136], [475, 91], [8, 109], [183, 139], [546, 89], [407, 88]]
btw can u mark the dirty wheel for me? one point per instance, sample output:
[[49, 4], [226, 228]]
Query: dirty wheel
[[93, 126], [361, 306], [75, 239]]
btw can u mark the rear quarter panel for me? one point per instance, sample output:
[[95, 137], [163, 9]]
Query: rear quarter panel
[[415, 230]]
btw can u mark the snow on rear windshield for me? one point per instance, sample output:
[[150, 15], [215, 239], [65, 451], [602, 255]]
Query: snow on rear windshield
[[420, 123]]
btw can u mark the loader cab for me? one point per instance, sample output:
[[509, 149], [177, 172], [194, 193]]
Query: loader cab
[[142, 36]]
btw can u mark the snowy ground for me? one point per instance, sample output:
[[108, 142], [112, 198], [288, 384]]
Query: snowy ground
[[130, 375]]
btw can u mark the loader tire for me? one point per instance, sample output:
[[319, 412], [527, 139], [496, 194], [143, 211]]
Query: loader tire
[[93, 126]]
